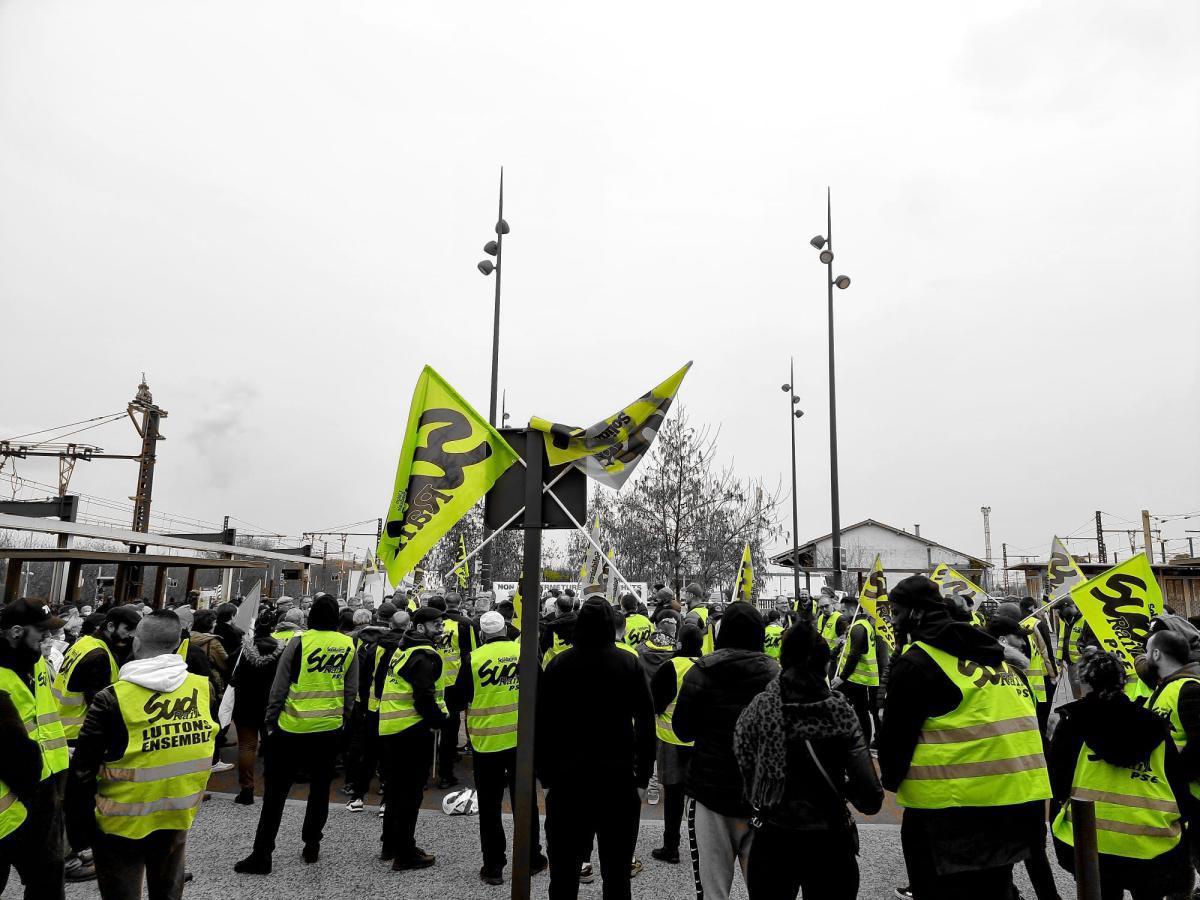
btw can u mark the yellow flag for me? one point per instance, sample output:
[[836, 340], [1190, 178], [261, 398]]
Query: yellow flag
[[874, 599], [1118, 605], [516, 602], [745, 582], [449, 459], [611, 449], [464, 570], [953, 585], [1062, 572]]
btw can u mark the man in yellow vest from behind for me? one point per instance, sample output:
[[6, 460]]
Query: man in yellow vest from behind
[[961, 748], [311, 700], [145, 749], [488, 687], [33, 753]]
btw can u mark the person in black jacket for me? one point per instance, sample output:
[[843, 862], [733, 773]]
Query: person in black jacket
[[252, 677], [715, 691], [229, 634], [594, 754], [802, 755]]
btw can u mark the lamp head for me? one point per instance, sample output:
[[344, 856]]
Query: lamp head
[[842, 281], [490, 248], [786, 388], [799, 414], [795, 399], [485, 267], [826, 256], [818, 242], [501, 227]]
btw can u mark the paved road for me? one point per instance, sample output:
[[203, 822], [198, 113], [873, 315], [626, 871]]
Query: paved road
[[348, 867]]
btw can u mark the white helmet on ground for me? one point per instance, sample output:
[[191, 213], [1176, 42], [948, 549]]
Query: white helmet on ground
[[460, 803]]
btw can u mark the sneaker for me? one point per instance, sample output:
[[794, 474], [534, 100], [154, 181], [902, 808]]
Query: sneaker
[[382, 807], [245, 797], [418, 859], [355, 805], [653, 794], [586, 876], [347, 789], [662, 854], [220, 766], [636, 869], [538, 864], [491, 876], [85, 856], [76, 869], [312, 852], [903, 893], [447, 781], [253, 865]]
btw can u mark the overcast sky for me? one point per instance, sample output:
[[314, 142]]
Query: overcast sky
[[275, 209]]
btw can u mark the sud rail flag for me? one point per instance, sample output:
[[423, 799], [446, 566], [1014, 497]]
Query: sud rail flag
[[450, 458], [745, 580], [954, 584], [610, 450], [874, 599], [464, 567], [1062, 572], [1119, 605]]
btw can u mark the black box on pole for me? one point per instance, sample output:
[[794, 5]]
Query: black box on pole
[[508, 493]]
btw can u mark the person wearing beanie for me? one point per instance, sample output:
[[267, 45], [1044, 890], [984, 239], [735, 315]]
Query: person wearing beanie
[[312, 698], [961, 836], [711, 697], [593, 704], [488, 688]]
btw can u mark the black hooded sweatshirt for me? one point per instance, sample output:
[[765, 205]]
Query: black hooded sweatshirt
[[714, 693], [595, 722]]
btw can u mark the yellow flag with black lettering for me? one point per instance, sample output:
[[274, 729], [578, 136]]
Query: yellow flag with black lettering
[[1062, 572], [464, 568], [874, 599], [449, 459], [1119, 605], [745, 582], [955, 585]]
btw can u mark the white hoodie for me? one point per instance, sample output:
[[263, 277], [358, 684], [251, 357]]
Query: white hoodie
[[163, 673]]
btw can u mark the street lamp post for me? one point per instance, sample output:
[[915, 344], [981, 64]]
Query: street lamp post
[[794, 414], [487, 267], [824, 244]]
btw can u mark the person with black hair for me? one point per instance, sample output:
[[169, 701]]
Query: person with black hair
[[637, 627], [802, 756], [252, 678], [559, 632], [1120, 755], [230, 635]]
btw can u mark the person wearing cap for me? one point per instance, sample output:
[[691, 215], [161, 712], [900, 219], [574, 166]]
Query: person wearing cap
[[456, 640], [290, 624], [141, 764], [312, 698], [698, 615], [488, 688], [412, 707], [34, 755]]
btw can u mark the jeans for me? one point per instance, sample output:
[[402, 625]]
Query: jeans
[[783, 863], [405, 759], [35, 849], [121, 863], [574, 814], [494, 772], [717, 842], [248, 737], [288, 752]]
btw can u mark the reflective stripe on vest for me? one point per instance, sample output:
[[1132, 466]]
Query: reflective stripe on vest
[[866, 672], [495, 687], [774, 638], [158, 783], [663, 724], [449, 647], [1136, 812], [397, 711], [985, 752], [828, 627], [12, 811], [315, 701], [1165, 702], [71, 707], [39, 714], [1068, 640], [1037, 670]]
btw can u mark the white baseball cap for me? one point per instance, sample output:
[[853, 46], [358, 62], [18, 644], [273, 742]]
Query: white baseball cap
[[491, 623]]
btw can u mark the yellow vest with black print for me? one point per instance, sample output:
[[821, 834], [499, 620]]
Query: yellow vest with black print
[[495, 688], [316, 699], [449, 647], [397, 711], [985, 752], [866, 672], [709, 643], [774, 640], [158, 783], [637, 629], [39, 714], [663, 724], [557, 646], [1165, 702], [71, 707], [827, 624], [1068, 639], [1136, 813]]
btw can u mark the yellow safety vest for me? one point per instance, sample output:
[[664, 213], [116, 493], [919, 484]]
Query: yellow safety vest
[[709, 644], [637, 629], [159, 781], [1165, 702], [449, 647], [866, 672], [397, 712], [827, 625], [978, 620], [1136, 813], [773, 640], [985, 752], [316, 700], [12, 811], [492, 715], [627, 648], [183, 648], [285, 634], [71, 706], [663, 726], [39, 713], [1037, 670], [557, 646], [1068, 640]]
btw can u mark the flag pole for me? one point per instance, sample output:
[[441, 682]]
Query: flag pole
[[584, 532], [737, 581]]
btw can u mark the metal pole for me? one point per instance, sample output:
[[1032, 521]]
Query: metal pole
[[833, 456], [528, 668], [795, 512], [1087, 853], [1100, 550], [485, 573], [1146, 536]]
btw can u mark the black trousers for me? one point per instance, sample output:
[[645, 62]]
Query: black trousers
[[575, 813], [362, 760], [448, 744], [862, 698], [35, 849], [122, 863], [405, 759], [288, 753], [674, 800], [493, 773], [784, 863]]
